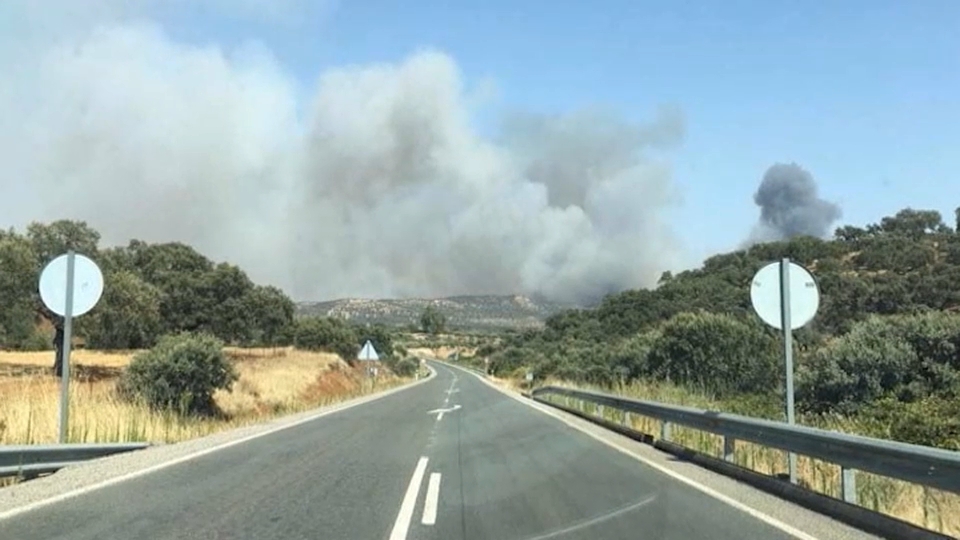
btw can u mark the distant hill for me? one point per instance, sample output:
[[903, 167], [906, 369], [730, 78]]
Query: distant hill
[[462, 312]]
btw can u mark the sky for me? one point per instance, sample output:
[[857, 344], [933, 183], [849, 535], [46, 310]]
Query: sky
[[863, 95]]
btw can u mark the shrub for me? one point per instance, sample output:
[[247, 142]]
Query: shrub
[[181, 373], [327, 334], [406, 367], [716, 353], [905, 357]]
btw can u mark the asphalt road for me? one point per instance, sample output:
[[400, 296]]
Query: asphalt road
[[490, 469]]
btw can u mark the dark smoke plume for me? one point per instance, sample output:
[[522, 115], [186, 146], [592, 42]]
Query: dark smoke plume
[[790, 206]]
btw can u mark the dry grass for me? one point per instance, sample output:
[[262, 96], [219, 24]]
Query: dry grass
[[934, 509], [272, 382]]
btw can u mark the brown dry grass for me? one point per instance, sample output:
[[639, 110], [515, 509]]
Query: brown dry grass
[[272, 382], [934, 509]]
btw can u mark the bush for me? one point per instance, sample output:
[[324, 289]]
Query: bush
[[327, 334], [629, 357], [716, 353], [181, 374], [406, 367], [905, 357], [932, 421]]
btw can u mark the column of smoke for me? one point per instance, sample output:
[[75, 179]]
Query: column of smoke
[[790, 206], [374, 186]]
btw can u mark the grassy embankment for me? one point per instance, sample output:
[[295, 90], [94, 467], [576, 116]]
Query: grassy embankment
[[930, 508], [272, 382]]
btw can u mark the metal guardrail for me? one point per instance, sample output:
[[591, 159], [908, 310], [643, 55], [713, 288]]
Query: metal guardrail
[[932, 467], [35, 459]]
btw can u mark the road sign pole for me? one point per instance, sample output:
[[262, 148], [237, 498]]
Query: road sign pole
[[65, 349], [786, 325]]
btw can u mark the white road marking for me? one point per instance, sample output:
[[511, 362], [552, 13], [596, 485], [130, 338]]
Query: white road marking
[[440, 412], [593, 521], [433, 497], [143, 472], [770, 520], [402, 525]]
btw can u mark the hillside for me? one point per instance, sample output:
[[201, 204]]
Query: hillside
[[462, 312], [883, 345]]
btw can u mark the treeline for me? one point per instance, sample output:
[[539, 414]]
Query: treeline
[[153, 290], [885, 342]]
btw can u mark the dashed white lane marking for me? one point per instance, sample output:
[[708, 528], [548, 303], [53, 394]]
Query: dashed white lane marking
[[433, 498], [402, 525]]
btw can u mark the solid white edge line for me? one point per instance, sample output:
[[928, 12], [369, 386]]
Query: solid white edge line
[[432, 500], [409, 503], [143, 472], [770, 520]]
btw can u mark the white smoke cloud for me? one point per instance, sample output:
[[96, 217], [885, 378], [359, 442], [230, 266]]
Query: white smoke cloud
[[379, 188]]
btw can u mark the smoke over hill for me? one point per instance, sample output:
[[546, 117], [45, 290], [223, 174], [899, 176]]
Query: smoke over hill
[[375, 184]]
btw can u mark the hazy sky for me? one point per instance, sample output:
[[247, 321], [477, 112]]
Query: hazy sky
[[626, 137]]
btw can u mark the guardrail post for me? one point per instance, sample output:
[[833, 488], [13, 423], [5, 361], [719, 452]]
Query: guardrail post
[[729, 446], [626, 418], [665, 431], [600, 411], [848, 484]]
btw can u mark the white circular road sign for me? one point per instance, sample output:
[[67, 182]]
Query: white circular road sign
[[804, 295], [87, 285]]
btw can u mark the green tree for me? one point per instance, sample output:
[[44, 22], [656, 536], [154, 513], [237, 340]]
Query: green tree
[[18, 281], [54, 239], [327, 334], [50, 241], [912, 223], [272, 313], [381, 338], [127, 316], [432, 321], [225, 305]]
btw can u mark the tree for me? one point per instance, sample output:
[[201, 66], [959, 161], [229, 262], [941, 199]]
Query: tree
[[432, 321], [127, 316], [18, 273], [50, 241], [225, 305], [54, 239], [380, 336], [272, 314], [912, 223], [327, 334]]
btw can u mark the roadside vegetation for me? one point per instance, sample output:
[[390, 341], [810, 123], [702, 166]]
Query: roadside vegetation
[[881, 358], [178, 347]]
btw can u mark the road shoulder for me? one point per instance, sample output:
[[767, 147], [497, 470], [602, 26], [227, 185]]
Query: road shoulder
[[783, 514]]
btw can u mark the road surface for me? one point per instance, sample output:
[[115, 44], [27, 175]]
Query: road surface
[[448, 459]]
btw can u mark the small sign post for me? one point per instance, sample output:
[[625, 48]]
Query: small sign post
[[785, 296], [70, 286], [369, 354]]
